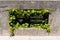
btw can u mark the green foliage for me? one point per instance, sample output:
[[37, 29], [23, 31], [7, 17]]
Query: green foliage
[[14, 13], [25, 25]]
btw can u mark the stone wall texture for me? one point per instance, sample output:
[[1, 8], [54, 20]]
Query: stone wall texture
[[54, 17]]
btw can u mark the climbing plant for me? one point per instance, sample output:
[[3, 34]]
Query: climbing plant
[[24, 18]]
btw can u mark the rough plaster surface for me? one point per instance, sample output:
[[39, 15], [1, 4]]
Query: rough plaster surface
[[29, 0], [30, 32], [54, 17]]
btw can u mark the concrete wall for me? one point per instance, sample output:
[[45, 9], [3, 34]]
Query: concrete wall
[[54, 17], [29, 0]]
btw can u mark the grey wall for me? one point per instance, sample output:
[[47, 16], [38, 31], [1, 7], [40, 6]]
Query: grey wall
[[54, 17], [29, 0]]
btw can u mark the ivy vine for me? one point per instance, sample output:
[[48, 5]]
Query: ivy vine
[[27, 13]]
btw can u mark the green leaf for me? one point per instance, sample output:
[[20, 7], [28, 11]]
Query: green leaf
[[17, 25]]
